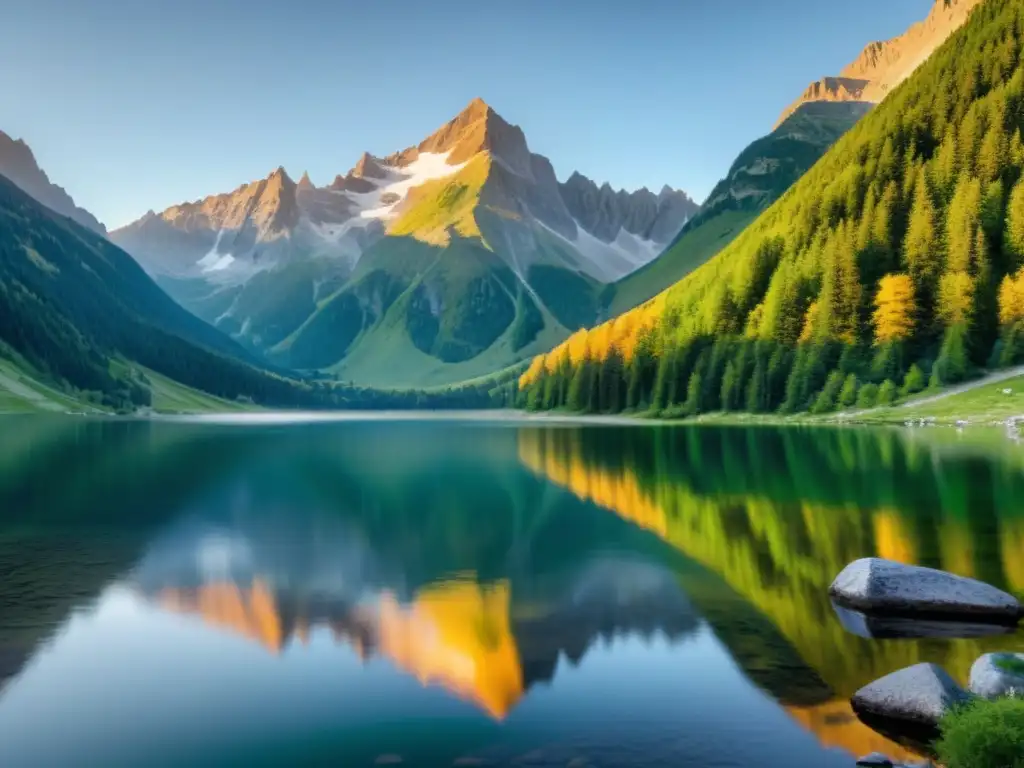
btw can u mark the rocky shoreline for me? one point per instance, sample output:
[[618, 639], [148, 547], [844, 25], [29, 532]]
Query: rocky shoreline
[[881, 598]]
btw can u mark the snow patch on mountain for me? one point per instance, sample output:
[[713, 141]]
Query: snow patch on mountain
[[612, 261], [220, 264], [398, 182]]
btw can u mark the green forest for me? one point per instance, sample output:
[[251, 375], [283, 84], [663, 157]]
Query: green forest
[[894, 265]]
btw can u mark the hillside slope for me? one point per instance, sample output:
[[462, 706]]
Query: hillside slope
[[898, 257], [758, 177], [462, 254], [70, 302]]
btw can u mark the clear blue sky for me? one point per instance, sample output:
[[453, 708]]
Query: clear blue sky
[[139, 104]]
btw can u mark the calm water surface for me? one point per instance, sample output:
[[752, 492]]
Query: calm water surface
[[469, 593]]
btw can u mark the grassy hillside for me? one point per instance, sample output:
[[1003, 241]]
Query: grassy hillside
[[757, 178], [896, 262]]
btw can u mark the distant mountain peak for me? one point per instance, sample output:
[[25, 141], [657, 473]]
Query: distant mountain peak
[[18, 163], [883, 65], [305, 182], [368, 168]]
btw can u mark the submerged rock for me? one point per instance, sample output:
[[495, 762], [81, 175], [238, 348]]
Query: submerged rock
[[919, 695], [998, 674], [884, 587]]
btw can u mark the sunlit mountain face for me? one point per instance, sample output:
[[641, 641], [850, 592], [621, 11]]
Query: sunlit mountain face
[[447, 591]]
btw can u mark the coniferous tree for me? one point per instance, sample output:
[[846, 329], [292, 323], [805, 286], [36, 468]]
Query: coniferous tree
[[848, 394]]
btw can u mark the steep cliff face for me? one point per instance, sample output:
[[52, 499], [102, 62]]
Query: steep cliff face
[[18, 164], [883, 65], [603, 211], [459, 255]]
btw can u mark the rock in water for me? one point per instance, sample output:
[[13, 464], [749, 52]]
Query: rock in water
[[998, 674], [883, 587], [920, 695]]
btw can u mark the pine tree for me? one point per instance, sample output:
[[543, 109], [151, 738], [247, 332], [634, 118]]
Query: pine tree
[[962, 221], [867, 397], [914, 381], [848, 394], [579, 387], [1013, 238], [1011, 298], [920, 248], [829, 395], [887, 393], [992, 153]]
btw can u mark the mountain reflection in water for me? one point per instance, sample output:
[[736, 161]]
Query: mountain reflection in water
[[276, 582], [631, 596]]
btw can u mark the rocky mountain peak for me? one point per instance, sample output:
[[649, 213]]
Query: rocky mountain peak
[[18, 163], [368, 168], [305, 182], [477, 128], [604, 211], [883, 65]]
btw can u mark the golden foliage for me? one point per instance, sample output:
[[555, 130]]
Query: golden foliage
[[894, 308], [810, 319], [621, 334], [956, 298], [1011, 298]]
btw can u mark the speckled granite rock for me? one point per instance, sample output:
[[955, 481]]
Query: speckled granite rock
[[877, 586], [919, 695]]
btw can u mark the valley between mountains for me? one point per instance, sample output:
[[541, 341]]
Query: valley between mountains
[[431, 276]]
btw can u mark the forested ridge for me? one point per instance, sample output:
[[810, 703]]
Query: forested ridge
[[895, 263]]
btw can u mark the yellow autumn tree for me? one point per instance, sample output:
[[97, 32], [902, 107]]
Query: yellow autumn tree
[[810, 320], [956, 298], [1011, 298], [895, 305]]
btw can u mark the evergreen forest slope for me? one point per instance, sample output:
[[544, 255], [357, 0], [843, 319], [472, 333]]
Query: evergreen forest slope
[[896, 261], [759, 176]]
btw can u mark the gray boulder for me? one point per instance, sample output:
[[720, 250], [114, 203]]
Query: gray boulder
[[883, 587], [998, 674], [920, 695]]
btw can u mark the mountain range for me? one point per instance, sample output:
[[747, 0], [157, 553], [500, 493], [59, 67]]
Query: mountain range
[[447, 260]]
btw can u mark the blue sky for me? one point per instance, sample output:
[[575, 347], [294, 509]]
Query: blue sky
[[139, 104]]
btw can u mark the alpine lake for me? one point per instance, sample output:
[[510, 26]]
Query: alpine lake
[[484, 590]]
